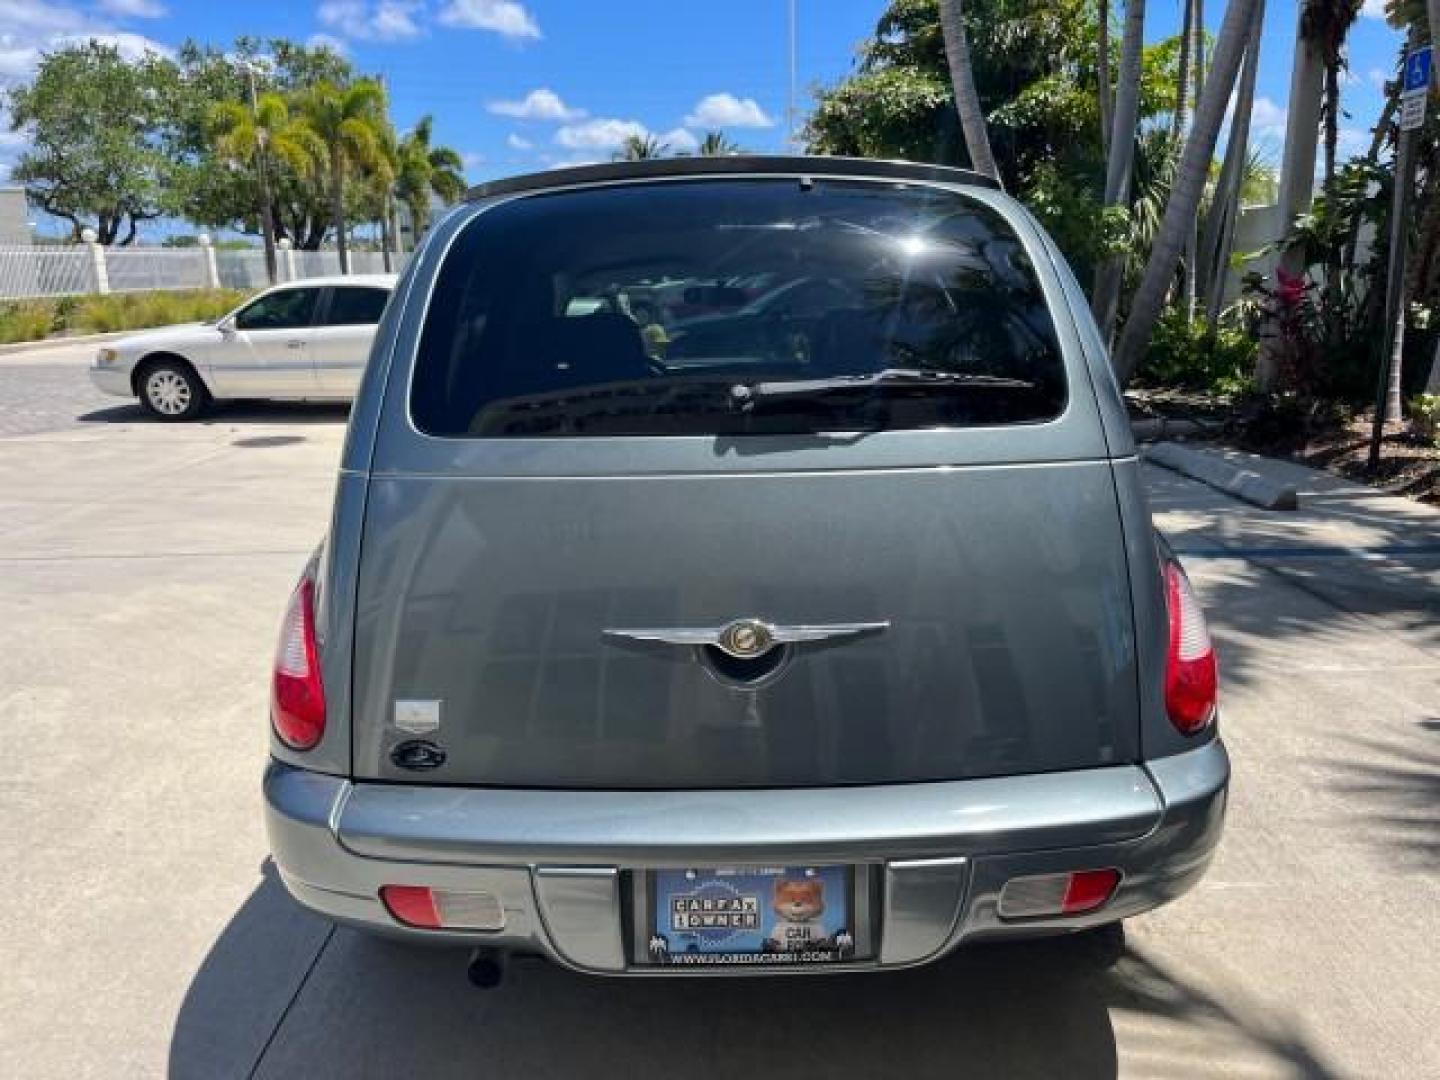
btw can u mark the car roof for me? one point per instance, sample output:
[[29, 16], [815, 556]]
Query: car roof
[[384, 281], [731, 165]]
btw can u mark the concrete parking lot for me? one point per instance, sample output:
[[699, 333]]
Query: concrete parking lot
[[143, 571]]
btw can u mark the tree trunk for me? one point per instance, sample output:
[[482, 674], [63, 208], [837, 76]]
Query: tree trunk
[[1297, 174], [385, 235], [1105, 297], [1190, 281], [1218, 238], [962, 80], [395, 229], [1184, 200], [337, 208], [1180, 118], [1102, 76], [267, 219]]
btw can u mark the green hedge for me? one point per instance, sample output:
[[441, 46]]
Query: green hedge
[[33, 320]]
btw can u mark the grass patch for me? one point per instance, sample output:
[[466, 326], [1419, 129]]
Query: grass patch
[[34, 320]]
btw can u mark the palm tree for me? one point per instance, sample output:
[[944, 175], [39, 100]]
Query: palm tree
[[1297, 170], [1327, 23], [1102, 74], [1180, 117], [641, 148], [716, 144], [351, 122], [250, 136], [1191, 174], [426, 170], [1121, 160], [1218, 235], [962, 81]]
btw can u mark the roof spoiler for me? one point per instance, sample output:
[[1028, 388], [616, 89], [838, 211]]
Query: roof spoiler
[[736, 165]]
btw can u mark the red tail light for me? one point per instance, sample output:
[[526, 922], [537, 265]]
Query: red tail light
[[1191, 680], [297, 693]]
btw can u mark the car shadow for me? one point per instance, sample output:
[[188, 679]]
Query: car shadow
[[360, 1006], [282, 994], [234, 412]]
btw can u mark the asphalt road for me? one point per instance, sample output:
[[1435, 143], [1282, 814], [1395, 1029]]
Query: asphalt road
[[143, 569]]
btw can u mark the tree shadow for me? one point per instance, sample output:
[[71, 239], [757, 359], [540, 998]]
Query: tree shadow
[[1316, 583], [1392, 789], [233, 411], [281, 995]]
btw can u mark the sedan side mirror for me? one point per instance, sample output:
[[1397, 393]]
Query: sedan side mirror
[[226, 326]]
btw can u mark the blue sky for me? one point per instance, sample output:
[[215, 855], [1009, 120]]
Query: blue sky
[[522, 84]]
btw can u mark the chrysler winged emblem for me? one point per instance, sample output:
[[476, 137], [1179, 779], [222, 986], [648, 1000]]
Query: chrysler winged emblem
[[747, 639]]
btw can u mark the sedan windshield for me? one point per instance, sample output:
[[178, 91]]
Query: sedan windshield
[[733, 307]]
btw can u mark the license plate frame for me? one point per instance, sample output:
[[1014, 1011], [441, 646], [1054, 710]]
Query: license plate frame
[[653, 915]]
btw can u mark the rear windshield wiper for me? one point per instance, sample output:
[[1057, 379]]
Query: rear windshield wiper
[[745, 395]]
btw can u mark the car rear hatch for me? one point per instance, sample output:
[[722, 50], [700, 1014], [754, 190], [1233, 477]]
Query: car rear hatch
[[545, 559]]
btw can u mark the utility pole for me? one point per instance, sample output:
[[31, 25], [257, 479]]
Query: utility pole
[[267, 219]]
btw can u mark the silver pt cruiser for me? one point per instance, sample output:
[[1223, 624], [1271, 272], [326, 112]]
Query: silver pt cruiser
[[740, 565]]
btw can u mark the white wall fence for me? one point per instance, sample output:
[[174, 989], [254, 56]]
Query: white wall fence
[[34, 272]]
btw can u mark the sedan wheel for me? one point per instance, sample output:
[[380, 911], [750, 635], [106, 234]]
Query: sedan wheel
[[172, 392]]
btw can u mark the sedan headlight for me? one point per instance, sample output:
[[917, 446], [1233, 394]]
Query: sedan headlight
[[106, 357]]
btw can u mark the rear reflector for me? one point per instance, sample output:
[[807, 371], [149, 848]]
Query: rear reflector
[[1057, 894], [443, 909]]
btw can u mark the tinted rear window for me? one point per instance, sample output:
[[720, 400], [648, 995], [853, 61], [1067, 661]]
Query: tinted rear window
[[733, 307], [355, 306]]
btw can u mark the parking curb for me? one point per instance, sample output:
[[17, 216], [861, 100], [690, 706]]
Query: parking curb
[[1209, 468]]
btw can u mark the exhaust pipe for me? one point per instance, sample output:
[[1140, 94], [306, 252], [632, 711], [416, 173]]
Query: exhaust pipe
[[486, 969]]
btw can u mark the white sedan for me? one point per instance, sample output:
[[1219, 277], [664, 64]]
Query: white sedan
[[306, 340]]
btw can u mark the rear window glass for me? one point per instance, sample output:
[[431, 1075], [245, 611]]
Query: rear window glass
[[356, 307], [735, 307]]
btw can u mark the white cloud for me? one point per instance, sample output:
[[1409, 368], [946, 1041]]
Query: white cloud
[[387, 20], [1377, 78], [17, 60], [726, 110], [680, 141], [1268, 118], [327, 41], [507, 18], [130, 46], [541, 104], [135, 9], [30, 17], [471, 160], [518, 142], [1373, 9], [599, 134]]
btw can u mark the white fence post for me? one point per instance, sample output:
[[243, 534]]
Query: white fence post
[[212, 269], [287, 262], [97, 256]]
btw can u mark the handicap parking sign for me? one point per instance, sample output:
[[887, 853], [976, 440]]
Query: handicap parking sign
[[1417, 71]]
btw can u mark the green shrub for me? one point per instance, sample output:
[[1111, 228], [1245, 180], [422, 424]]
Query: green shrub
[[34, 320], [25, 320], [1184, 354], [1425, 416]]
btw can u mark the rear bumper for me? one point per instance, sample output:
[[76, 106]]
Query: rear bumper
[[561, 862]]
